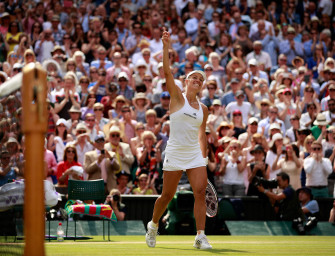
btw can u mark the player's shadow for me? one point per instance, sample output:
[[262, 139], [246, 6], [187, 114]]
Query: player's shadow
[[214, 251]]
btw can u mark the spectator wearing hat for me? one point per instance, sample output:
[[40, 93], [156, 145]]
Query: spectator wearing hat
[[162, 109], [217, 116], [317, 169], [275, 146], [57, 32], [257, 168], [254, 71], [8, 171], [122, 150], [101, 164], [44, 46], [57, 141], [141, 104], [75, 114], [229, 96], [290, 47], [259, 55], [245, 138], [241, 105], [309, 206], [237, 120], [114, 71], [319, 124], [82, 142], [263, 108], [117, 104], [124, 87], [324, 101], [13, 147], [140, 72]]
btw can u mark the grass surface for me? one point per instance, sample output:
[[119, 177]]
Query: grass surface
[[183, 245]]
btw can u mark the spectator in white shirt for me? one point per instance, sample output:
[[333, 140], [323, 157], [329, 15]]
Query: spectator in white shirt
[[317, 169]]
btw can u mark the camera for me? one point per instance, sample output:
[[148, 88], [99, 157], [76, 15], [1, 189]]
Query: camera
[[102, 151], [298, 225], [311, 223], [283, 149], [267, 184], [116, 198]]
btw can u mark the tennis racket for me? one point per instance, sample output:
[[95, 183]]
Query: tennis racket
[[211, 200]]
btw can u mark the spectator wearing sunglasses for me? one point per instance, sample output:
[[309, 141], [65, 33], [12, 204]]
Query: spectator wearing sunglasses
[[122, 150], [317, 169]]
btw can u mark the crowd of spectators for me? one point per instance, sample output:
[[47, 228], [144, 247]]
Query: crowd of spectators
[[270, 88]]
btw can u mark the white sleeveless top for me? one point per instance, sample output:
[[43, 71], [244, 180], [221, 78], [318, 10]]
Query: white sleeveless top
[[183, 149]]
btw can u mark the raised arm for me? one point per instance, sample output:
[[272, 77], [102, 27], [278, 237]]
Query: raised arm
[[174, 91]]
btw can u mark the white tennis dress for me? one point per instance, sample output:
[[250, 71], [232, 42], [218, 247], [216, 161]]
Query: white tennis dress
[[183, 149]]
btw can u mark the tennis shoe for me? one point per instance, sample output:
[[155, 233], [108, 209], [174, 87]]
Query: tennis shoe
[[150, 236], [201, 242]]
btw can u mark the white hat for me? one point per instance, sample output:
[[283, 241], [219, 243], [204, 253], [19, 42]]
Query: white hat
[[274, 126], [252, 62], [114, 128], [252, 120], [275, 137], [160, 65], [123, 75], [320, 120], [197, 71], [61, 121]]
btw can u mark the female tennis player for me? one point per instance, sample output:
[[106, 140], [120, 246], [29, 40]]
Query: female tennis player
[[186, 149]]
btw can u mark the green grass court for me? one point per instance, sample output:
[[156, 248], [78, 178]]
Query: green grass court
[[183, 245]]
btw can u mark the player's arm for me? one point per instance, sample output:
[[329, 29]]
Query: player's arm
[[202, 132], [174, 91]]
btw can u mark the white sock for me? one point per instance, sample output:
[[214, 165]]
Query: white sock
[[154, 225], [200, 232]]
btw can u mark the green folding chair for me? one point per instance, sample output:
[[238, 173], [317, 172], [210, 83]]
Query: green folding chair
[[86, 190]]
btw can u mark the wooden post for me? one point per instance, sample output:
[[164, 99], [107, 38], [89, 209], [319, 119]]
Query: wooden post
[[34, 113]]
